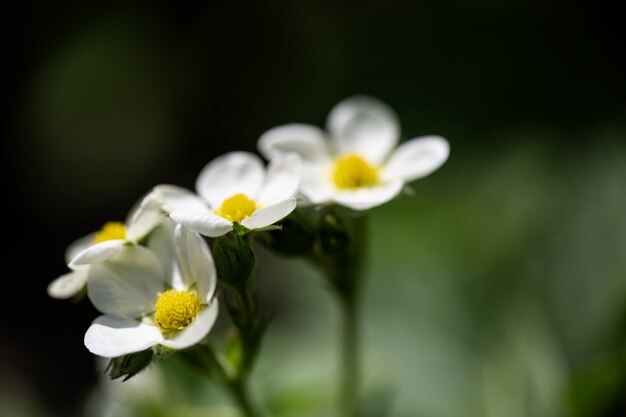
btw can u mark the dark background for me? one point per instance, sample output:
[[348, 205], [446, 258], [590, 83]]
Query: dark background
[[104, 101]]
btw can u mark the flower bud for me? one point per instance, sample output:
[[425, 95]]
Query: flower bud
[[333, 234], [234, 260], [296, 237]]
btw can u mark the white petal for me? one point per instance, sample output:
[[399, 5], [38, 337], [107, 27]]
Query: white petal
[[305, 140], [417, 158], [282, 181], [68, 284], [127, 284], [173, 198], [230, 174], [78, 246], [111, 337], [317, 185], [207, 224], [144, 218], [161, 242], [197, 330], [99, 252], [196, 263], [365, 126], [270, 215], [317, 193], [365, 198]]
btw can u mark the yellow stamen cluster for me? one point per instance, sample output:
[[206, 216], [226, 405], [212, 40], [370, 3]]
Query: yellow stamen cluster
[[236, 208], [175, 310], [352, 172], [110, 231]]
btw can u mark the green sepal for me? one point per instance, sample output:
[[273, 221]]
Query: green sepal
[[269, 228], [79, 296], [239, 229], [129, 365], [160, 350]]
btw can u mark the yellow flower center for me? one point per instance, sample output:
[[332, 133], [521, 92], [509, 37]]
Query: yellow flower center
[[236, 208], [175, 310], [110, 231], [352, 171]]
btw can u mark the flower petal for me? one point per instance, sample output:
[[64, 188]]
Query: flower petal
[[417, 158], [317, 185], [317, 192], [99, 252], [162, 243], [78, 246], [305, 140], [128, 284], [365, 198], [68, 284], [196, 263], [111, 337], [270, 214], [230, 174], [207, 224], [173, 197], [365, 126], [282, 181], [144, 218], [197, 330]]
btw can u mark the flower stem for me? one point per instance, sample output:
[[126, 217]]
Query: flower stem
[[240, 393], [236, 385], [349, 377], [341, 255]]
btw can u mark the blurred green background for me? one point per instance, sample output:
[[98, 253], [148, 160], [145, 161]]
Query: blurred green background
[[498, 289]]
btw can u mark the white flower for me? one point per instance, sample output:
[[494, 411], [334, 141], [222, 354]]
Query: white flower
[[144, 305], [235, 188], [101, 245], [359, 165], [143, 218], [71, 283]]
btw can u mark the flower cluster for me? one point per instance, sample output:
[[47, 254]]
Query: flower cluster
[[155, 277]]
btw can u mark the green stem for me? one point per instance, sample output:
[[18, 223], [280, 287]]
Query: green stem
[[349, 377], [237, 385], [344, 267], [240, 392]]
